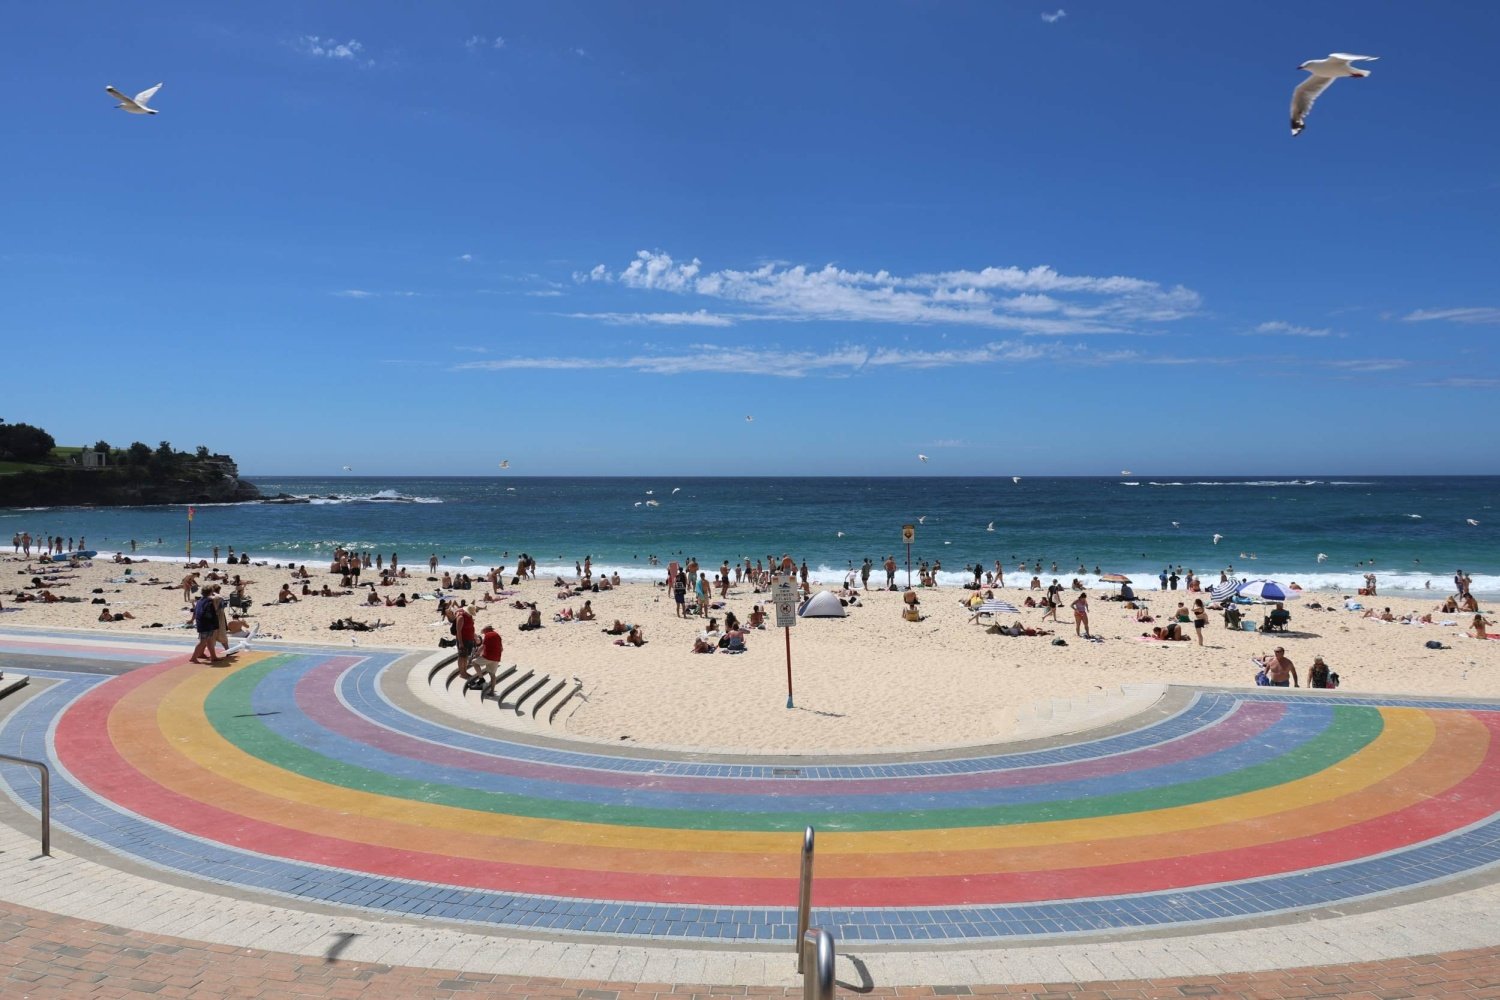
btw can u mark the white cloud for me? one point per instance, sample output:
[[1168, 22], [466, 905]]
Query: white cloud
[[1055, 16], [701, 317], [1486, 314], [475, 42], [1038, 300], [1463, 383], [1368, 364], [330, 48], [1277, 327], [466, 257], [837, 361], [545, 293], [355, 293]]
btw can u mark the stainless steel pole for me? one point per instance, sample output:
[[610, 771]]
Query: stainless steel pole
[[804, 896], [817, 946]]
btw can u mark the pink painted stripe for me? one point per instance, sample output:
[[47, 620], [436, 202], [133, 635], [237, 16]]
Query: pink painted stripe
[[316, 701]]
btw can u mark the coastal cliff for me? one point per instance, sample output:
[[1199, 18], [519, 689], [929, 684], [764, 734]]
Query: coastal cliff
[[34, 472]]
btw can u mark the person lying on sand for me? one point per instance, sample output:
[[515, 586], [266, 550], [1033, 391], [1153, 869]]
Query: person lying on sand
[[1168, 633], [635, 637], [119, 616]]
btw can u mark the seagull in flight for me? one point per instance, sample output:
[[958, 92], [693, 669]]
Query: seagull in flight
[[990, 526], [1324, 72], [637, 503], [135, 105], [922, 519], [677, 489], [347, 469], [1322, 557], [1472, 523], [1415, 517], [650, 492], [839, 534], [505, 464], [921, 456], [1176, 525], [1217, 536], [749, 419], [1015, 479]]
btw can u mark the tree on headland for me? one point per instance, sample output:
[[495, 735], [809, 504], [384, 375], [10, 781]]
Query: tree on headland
[[102, 447], [138, 453], [25, 443], [202, 451]]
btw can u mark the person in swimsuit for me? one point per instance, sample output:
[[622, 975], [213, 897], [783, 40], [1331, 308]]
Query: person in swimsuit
[[1200, 619]]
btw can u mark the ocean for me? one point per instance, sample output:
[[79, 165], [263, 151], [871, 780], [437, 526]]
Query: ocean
[[1413, 532]]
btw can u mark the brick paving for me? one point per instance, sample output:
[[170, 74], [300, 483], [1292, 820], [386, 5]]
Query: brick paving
[[48, 957]]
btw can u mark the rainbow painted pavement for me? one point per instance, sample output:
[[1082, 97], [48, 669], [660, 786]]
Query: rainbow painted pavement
[[311, 774]]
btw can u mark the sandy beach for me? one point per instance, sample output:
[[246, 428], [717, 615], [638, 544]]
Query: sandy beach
[[870, 680]]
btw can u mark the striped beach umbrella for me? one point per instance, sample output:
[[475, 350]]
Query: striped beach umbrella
[[993, 607], [1269, 590], [1224, 591]]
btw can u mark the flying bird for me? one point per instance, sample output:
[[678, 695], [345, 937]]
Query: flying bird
[[1176, 525], [135, 105], [1472, 522], [749, 419], [1324, 72], [922, 519], [650, 492], [505, 464], [466, 559], [990, 526], [1322, 557], [637, 503], [676, 489], [1415, 517], [839, 534], [347, 469], [921, 456], [1124, 472], [1217, 536], [1015, 479]]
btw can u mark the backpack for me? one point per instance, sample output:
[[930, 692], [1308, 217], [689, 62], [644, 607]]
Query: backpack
[[205, 615], [1333, 679]]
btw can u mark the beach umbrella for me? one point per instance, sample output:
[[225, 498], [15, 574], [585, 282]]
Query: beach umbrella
[[1269, 590], [994, 607], [1114, 578], [1224, 591]]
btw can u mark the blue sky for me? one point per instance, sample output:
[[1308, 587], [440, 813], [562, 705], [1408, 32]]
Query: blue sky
[[593, 238]]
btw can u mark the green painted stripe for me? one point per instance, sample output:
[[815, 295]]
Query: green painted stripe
[[230, 712]]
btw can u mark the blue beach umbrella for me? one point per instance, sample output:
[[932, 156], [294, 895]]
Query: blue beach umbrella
[[1269, 590]]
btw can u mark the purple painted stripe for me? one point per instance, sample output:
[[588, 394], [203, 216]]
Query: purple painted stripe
[[315, 700], [88, 650]]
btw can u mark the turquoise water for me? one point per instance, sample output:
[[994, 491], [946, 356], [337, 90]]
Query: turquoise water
[[1357, 522]]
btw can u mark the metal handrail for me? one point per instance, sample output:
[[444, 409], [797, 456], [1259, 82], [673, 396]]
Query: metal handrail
[[817, 948], [804, 895], [46, 797]]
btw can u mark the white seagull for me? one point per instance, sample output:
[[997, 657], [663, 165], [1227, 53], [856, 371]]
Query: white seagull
[[650, 492], [1415, 517], [1322, 557], [1015, 479], [1472, 523], [1324, 72], [135, 105], [921, 456], [749, 419], [347, 469], [505, 464], [677, 489], [990, 526], [466, 559], [1176, 525], [1217, 536], [922, 519], [840, 534], [637, 503], [1124, 472]]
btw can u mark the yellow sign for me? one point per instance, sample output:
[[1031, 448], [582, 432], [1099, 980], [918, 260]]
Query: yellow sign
[[908, 533]]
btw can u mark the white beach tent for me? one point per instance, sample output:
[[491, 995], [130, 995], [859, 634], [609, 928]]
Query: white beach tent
[[823, 604]]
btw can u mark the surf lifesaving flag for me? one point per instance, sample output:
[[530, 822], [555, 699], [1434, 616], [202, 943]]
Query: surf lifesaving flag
[[190, 513]]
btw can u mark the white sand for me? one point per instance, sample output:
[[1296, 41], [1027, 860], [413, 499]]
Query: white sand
[[868, 681]]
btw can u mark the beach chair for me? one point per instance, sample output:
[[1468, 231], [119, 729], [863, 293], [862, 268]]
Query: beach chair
[[1276, 621]]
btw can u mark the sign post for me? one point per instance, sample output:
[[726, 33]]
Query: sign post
[[190, 536], [908, 535], [784, 597]]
